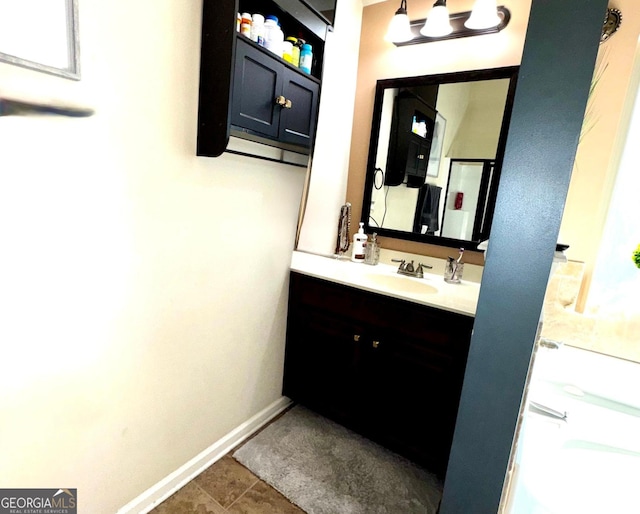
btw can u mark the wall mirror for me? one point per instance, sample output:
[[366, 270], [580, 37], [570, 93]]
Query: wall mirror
[[41, 35], [435, 155]]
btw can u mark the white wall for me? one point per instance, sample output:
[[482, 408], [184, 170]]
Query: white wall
[[143, 289], [329, 171]]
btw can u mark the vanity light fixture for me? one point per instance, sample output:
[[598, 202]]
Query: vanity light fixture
[[485, 18], [437, 23], [400, 28]]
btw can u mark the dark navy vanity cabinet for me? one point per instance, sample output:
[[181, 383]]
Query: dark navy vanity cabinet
[[390, 369], [249, 92], [271, 99]]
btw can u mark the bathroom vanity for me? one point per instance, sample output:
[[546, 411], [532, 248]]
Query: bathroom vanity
[[384, 357]]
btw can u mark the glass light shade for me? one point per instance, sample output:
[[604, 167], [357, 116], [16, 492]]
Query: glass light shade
[[399, 28], [437, 24], [483, 16]]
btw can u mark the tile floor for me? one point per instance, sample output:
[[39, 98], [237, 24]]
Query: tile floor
[[227, 486]]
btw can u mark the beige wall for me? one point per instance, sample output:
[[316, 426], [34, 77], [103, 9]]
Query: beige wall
[[380, 60], [329, 170], [143, 289]]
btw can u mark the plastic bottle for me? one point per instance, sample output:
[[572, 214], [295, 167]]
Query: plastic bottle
[[306, 58], [257, 29], [245, 26], [295, 50], [359, 244], [273, 35], [287, 51], [238, 22]]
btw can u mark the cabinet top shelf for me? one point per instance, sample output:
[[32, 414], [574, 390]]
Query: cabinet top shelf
[[248, 41]]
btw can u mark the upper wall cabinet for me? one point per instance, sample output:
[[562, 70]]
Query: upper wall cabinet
[[248, 91]]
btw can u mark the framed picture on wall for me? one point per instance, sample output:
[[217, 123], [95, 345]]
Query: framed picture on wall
[[436, 146], [41, 35]]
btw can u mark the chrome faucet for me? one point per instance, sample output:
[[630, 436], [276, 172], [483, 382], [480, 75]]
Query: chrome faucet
[[408, 268]]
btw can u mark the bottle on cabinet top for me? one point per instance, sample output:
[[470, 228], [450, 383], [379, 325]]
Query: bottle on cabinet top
[[295, 51], [306, 58], [257, 29], [245, 24], [273, 35]]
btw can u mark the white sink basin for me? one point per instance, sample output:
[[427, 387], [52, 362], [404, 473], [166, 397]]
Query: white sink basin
[[401, 283]]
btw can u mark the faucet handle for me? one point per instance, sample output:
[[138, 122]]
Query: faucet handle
[[420, 270], [402, 263]]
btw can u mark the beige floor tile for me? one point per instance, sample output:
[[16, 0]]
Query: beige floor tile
[[263, 499], [189, 500], [226, 480]]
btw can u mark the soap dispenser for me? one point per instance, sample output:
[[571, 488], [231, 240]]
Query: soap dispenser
[[359, 244]]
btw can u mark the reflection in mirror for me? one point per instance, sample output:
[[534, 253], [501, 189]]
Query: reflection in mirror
[[435, 156], [464, 211]]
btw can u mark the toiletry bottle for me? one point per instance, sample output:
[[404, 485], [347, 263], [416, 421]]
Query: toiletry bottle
[[295, 51], [372, 251], [359, 244], [306, 58], [257, 29], [245, 26]]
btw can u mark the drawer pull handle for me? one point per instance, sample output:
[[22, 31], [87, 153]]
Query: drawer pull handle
[[356, 338], [375, 344]]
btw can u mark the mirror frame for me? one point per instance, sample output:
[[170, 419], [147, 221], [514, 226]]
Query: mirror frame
[[509, 72]]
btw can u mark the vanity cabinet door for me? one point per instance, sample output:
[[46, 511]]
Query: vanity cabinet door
[[409, 401], [322, 363]]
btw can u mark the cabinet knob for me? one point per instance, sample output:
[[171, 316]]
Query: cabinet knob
[[283, 102], [375, 344], [356, 337]]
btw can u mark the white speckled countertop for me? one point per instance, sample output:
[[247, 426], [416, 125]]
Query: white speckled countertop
[[460, 298]]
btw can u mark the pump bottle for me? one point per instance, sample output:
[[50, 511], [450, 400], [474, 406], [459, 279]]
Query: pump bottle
[[359, 244]]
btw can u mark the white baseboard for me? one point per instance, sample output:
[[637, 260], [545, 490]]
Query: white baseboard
[[159, 492]]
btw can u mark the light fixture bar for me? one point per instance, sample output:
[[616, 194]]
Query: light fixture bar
[[459, 30]]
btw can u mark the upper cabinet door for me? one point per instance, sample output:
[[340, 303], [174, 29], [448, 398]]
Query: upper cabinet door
[[297, 123], [258, 82]]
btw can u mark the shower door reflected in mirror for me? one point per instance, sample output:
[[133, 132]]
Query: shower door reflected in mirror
[[469, 188]]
